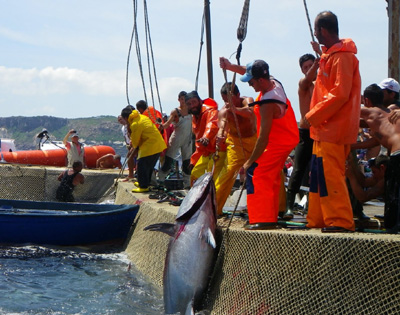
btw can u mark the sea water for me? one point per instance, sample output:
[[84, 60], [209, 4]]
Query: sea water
[[39, 280]]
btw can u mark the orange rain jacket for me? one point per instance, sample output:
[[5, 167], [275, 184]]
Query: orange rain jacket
[[154, 114], [205, 125], [335, 105]]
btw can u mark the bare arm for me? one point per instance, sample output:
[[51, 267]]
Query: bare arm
[[226, 64], [65, 140], [170, 119], [308, 79], [369, 143]]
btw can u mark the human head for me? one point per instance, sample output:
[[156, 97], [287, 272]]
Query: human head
[[373, 95], [121, 120], [256, 70], [257, 75], [117, 160], [378, 165], [75, 137], [326, 27], [181, 97], [226, 89], [141, 106], [306, 61], [77, 166], [126, 112], [193, 102], [391, 90]]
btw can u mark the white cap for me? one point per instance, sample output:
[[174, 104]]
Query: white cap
[[390, 84]]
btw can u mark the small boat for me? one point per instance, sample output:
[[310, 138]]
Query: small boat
[[64, 224]]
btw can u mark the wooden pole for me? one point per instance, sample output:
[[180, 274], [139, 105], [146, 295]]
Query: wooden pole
[[394, 44], [209, 49]]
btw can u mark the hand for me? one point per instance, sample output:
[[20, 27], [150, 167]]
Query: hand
[[394, 116], [220, 140], [246, 166], [224, 63], [316, 48], [204, 141]]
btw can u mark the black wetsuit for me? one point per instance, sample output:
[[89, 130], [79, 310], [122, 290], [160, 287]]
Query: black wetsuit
[[64, 191], [392, 190]]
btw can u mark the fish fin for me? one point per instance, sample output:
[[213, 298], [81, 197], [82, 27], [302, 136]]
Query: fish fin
[[189, 308], [167, 228], [211, 238]]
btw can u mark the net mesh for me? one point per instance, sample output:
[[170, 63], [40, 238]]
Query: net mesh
[[40, 183], [281, 271]]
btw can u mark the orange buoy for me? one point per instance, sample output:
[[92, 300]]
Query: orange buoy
[[56, 157]]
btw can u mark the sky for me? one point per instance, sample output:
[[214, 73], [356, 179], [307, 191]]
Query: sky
[[68, 58]]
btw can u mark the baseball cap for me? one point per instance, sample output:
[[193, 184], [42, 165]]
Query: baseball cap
[[390, 84], [75, 135], [256, 69]]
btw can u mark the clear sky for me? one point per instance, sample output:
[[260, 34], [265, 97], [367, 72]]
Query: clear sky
[[67, 58]]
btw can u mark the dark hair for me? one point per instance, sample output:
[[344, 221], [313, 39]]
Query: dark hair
[[374, 93], [191, 95], [328, 20], [379, 160], [126, 112], [130, 106], [77, 164], [141, 105], [182, 93], [227, 87], [305, 58], [396, 94]]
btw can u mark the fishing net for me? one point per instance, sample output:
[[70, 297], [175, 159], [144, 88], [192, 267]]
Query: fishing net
[[282, 271], [40, 183]]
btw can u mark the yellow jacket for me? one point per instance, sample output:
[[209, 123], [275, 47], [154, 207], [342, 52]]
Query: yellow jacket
[[145, 135], [335, 105]]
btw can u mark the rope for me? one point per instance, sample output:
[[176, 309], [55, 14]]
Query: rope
[[149, 50], [201, 49]]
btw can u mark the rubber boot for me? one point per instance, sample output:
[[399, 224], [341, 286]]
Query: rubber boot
[[290, 197]]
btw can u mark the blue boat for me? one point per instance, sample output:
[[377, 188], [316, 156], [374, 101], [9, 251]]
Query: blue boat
[[64, 224]]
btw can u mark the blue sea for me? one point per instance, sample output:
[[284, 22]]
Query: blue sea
[[39, 280]]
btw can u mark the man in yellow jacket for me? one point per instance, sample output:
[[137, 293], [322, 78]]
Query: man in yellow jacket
[[333, 119], [147, 139]]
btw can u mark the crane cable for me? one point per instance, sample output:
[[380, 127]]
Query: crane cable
[[149, 50]]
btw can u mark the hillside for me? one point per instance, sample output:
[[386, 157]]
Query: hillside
[[93, 130]]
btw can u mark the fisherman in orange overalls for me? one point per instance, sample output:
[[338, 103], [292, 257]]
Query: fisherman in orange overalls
[[205, 128], [334, 121], [277, 136]]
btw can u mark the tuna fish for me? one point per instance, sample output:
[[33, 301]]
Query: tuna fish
[[189, 258]]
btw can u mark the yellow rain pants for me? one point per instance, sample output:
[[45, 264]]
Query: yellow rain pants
[[205, 164], [234, 161]]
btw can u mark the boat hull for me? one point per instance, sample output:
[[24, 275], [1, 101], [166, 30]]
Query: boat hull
[[64, 224], [56, 157]]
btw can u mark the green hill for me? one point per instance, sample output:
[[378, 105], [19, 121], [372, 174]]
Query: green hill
[[92, 130]]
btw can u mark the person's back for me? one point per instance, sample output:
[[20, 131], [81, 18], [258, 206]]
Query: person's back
[[375, 114], [69, 179]]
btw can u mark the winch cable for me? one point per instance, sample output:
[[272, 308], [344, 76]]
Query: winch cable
[[200, 51], [149, 50], [149, 47]]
